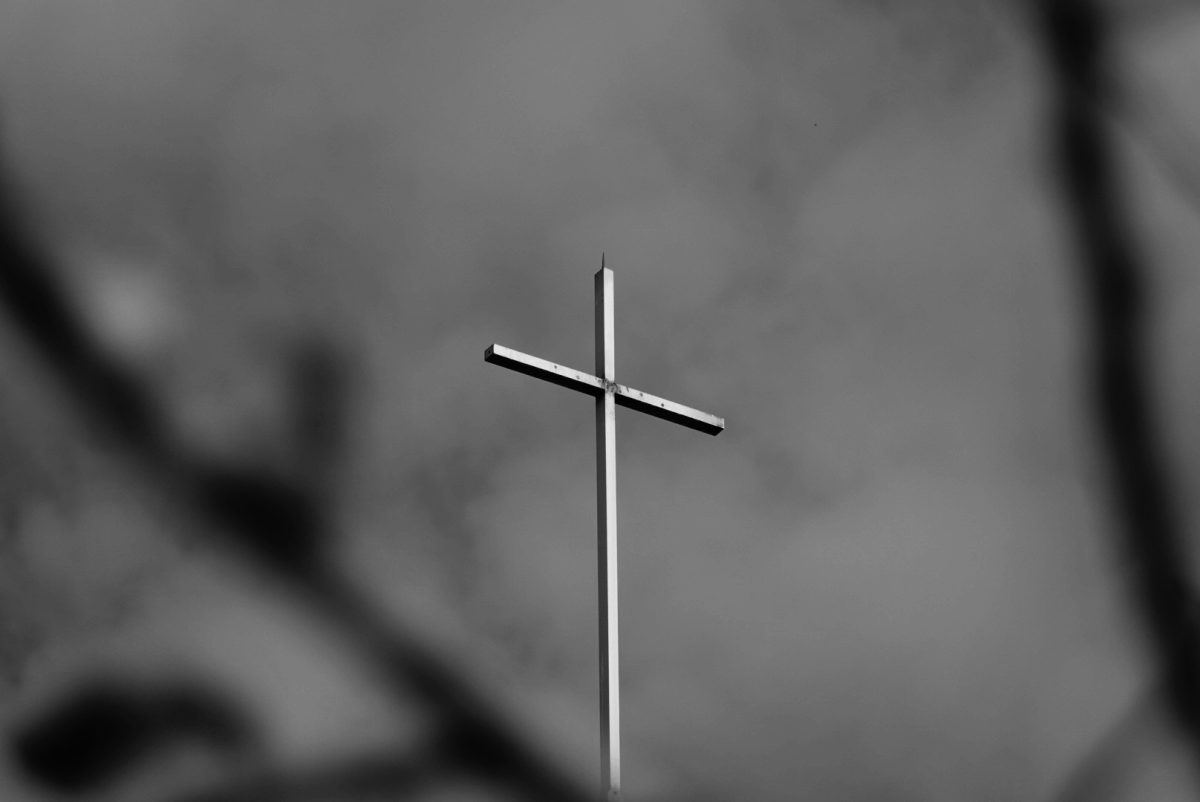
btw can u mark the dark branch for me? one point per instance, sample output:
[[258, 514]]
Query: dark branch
[[1076, 38], [280, 522], [103, 729]]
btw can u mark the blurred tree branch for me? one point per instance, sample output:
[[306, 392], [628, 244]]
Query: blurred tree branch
[[280, 522], [1075, 37]]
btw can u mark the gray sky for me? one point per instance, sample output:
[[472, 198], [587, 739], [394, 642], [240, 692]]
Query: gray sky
[[829, 223]]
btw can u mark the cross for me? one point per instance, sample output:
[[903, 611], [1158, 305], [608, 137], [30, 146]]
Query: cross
[[609, 395]]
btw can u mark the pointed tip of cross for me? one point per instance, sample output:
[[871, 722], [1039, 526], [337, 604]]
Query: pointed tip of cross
[[604, 268]]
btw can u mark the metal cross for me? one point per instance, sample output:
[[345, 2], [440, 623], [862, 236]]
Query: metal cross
[[608, 395]]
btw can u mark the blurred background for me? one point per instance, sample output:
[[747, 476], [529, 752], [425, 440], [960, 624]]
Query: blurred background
[[833, 223]]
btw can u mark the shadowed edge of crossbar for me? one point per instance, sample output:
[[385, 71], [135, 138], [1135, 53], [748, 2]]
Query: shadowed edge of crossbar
[[543, 369], [592, 385]]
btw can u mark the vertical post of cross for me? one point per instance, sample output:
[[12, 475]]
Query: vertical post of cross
[[606, 539], [609, 395]]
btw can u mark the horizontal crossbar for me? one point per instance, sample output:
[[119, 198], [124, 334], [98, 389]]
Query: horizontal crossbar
[[544, 369], [668, 410], [595, 386]]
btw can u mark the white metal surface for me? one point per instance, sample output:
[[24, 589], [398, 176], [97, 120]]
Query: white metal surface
[[584, 382], [608, 395], [606, 542]]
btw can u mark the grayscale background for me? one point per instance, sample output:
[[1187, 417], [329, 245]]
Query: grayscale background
[[831, 222]]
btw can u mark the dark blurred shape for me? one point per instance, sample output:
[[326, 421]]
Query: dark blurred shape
[[273, 517], [31, 296], [276, 522], [280, 521], [320, 387], [1076, 38], [474, 736], [108, 728]]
